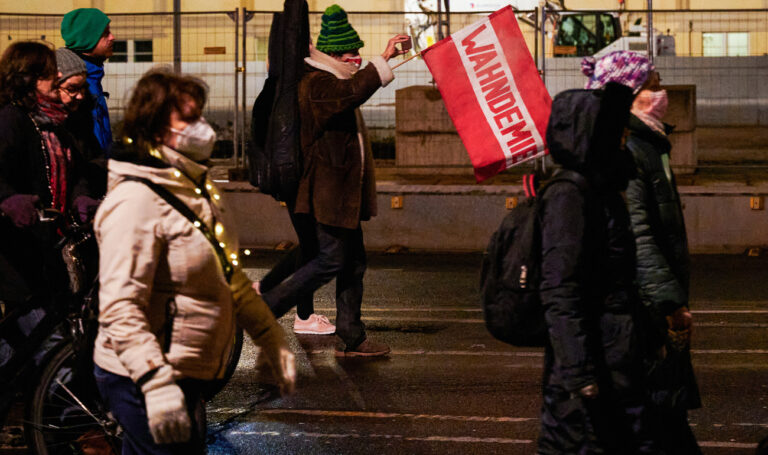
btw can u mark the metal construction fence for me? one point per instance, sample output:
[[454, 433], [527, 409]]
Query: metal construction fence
[[723, 53]]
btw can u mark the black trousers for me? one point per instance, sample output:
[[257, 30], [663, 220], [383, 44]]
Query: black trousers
[[340, 255], [305, 227]]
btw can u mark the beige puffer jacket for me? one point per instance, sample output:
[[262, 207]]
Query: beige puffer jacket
[[158, 273]]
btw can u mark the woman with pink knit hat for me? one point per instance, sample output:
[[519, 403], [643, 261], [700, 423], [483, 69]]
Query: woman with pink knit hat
[[663, 271]]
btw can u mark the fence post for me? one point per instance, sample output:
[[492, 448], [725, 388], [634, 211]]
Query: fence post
[[536, 26], [543, 8], [177, 36], [243, 131], [448, 17], [439, 20], [235, 129], [650, 31]]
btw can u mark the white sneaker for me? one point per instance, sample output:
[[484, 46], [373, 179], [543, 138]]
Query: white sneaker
[[315, 325]]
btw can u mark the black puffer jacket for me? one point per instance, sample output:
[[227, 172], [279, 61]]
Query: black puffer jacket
[[588, 268], [663, 269], [657, 219]]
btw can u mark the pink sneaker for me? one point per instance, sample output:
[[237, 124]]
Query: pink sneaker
[[315, 325]]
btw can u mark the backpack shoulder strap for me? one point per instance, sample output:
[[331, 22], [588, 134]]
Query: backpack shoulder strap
[[567, 175], [189, 214]]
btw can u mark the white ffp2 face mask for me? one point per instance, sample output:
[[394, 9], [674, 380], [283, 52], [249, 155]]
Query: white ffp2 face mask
[[196, 141]]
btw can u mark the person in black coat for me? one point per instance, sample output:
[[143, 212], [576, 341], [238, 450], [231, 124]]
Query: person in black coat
[[593, 392], [40, 167], [663, 271]]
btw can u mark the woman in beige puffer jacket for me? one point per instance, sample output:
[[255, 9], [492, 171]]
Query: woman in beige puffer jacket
[[168, 301]]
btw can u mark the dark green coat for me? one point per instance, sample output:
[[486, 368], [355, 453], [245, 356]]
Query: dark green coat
[[663, 266]]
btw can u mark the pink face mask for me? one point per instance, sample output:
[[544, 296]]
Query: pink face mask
[[657, 104], [357, 61]]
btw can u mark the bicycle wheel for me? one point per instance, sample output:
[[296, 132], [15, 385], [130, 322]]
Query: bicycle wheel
[[64, 413], [234, 358]]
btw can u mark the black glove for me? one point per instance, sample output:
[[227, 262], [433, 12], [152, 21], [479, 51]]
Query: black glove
[[86, 207], [21, 209]]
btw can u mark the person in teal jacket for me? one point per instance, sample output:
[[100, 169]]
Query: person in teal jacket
[[86, 32]]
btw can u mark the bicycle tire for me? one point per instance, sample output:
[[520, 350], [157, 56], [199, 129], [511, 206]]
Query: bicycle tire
[[234, 358], [55, 423]]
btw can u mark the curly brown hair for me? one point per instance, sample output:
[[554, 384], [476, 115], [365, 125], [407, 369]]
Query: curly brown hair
[[156, 95], [21, 66]]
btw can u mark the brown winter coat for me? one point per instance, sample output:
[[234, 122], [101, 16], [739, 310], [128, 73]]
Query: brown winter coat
[[338, 186]]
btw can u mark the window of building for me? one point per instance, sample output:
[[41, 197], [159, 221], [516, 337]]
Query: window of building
[[142, 51], [131, 51], [726, 44], [120, 52]]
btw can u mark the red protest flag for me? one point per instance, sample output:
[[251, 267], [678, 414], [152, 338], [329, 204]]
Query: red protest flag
[[493, 93]]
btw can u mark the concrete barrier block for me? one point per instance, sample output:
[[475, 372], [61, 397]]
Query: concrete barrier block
[[684, 157], [430, 149], [682, 107], [420, 109]]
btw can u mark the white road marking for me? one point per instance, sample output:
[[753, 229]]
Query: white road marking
[[541, 354], [743, 325], [728, 445], [480, 310], [729, 351], [445, 320], [459, 353], [398, 415], [450, 439], [466, 439]]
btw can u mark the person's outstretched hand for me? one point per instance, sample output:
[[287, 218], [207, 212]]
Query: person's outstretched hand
[[392, 50]]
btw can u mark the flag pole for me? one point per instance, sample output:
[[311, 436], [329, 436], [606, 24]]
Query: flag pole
[[407, 60]]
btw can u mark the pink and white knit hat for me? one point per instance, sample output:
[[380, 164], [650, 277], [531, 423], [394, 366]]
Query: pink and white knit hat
[[624, 67]]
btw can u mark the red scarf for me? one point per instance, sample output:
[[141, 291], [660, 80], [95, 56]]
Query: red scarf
[[51, 113]]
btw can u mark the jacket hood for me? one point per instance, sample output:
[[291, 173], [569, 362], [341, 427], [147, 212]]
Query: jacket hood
[[571, 126], [585, 134]]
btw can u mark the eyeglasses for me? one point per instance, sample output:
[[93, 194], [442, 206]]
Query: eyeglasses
[[72, 90]]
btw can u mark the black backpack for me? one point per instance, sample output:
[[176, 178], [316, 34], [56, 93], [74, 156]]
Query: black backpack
[[274, 153], [511, 271]]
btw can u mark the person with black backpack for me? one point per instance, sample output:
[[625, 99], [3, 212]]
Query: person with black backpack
[[593, 391]]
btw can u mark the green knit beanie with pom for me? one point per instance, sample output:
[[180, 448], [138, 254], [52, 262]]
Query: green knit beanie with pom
[[336, 35]]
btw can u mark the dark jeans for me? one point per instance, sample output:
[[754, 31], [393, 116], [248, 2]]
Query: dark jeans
[[305, 227], [126, 401], [340, 255]]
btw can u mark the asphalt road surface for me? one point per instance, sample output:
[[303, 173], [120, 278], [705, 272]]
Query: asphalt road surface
[[448, 387]]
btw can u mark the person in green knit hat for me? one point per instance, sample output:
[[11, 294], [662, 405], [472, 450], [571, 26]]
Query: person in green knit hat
[[337, 189], [86, 32]]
